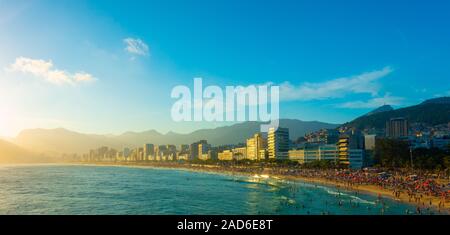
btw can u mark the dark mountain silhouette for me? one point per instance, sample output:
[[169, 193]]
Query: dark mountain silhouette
[[381, 109], [439, 100], [431, 112]]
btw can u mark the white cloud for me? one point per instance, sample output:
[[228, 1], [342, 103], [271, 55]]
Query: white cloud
[[374, 102], [83, 77], [363, 83], [136, 46], [45, 70]]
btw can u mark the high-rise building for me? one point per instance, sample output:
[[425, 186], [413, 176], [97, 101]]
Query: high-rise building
[[140, 156], [203, 148], [343, 151], [397, 127], [184, 148], [278, 143], [369, 142], [171, 150], [194, 149], [102, 151], [111, 155], [356, 139], [149, 151], [161, 152], [254, 146], [126, 152]]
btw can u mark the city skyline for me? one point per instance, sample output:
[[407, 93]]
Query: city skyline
[[106, 76], [345, 147]]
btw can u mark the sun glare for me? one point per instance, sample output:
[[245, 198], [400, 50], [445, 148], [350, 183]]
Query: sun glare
[[7, 123]]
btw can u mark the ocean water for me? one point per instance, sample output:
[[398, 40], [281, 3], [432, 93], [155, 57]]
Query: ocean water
[[63, 189]]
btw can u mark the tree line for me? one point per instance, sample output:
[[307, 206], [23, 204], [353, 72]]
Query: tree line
[[392, 153]]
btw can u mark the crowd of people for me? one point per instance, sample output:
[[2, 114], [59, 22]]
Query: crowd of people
[[415, 185]]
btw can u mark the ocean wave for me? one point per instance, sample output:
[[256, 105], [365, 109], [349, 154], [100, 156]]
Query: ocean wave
[[355, 198]]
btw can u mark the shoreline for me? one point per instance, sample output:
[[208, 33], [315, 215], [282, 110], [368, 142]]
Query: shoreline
[[368, 189]]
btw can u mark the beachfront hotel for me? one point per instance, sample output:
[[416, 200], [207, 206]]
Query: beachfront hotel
[[316, 153], [328, 152], [254, 147], [278, 143], [226, 155], [197, 148], [203, 151], [343, 151], [240, 153]]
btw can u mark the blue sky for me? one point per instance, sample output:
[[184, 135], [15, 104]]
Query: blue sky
[[334, 61]]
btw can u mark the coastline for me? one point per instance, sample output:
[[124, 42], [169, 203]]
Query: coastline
[[368, 189]]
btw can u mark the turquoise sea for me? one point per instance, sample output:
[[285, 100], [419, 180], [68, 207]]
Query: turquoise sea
[[67, 189]]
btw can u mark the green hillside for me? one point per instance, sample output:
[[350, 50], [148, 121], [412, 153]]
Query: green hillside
[[432, 113]]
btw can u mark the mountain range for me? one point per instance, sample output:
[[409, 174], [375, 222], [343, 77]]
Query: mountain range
[[57, 141]]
